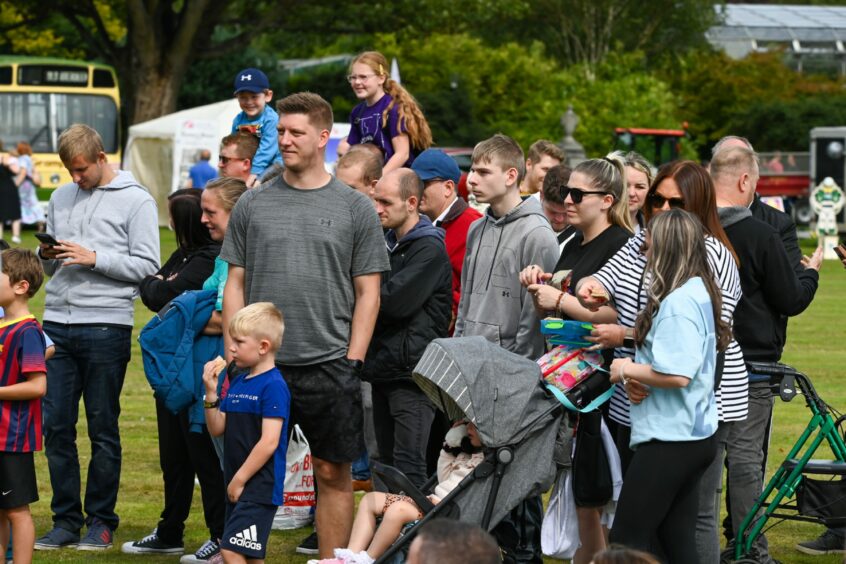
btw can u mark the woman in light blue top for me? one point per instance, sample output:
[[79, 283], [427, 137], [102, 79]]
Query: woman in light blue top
[[679, 333]]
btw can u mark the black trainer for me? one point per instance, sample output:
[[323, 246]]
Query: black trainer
[[309, 545], [151, 544]]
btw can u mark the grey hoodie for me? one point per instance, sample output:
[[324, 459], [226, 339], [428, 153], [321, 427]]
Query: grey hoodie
[[493, 303], [119, 222]]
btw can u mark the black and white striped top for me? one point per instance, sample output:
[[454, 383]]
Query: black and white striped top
[[622, 276]]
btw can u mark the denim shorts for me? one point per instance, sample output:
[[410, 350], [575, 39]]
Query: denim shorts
[[326, 404]]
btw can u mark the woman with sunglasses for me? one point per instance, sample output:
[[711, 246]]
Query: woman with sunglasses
[[597, 207], [685, 185], [679, 332]]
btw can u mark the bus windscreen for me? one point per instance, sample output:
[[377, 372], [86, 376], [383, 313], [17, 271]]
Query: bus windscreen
[[38, 118]]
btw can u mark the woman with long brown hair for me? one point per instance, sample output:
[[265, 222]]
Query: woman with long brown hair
[[388, 116], [678, 335], [685, 185]]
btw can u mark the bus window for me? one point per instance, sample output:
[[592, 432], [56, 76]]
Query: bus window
[[28, 117], [24, 118], [99, 112]]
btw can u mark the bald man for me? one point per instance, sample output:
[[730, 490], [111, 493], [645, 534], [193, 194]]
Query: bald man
[[415, 308]]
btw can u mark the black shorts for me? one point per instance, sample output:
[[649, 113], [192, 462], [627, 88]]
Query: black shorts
[[17, 480], [326, 403], [247, 528]]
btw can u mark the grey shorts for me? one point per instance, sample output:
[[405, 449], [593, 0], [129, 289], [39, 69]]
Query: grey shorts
[[326, 403]]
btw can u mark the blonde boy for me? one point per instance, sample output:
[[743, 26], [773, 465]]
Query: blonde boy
[[253, 419], [23, 382]]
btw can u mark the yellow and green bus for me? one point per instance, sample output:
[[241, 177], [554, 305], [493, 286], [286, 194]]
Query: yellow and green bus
[[40, 97]]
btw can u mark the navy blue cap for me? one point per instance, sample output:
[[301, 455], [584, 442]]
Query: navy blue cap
[[434, 163], [251, 80]]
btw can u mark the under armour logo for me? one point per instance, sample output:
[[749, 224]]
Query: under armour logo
[[325, 222], [246, 77], [506, 294]]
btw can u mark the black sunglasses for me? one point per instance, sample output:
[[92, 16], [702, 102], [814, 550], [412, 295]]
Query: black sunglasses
[[656, 200], [225, 160], [577, 194]]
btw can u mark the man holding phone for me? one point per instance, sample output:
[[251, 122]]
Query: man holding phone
[[103, 239]]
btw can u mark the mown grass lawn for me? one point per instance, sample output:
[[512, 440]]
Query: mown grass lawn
[[815, 346]]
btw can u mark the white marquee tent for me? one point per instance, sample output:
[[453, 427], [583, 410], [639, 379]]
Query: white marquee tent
[[159, 152]]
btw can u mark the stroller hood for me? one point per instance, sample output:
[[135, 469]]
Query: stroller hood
[[500, 392]]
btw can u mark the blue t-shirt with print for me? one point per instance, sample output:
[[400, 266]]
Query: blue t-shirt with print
[[681, 342], [248, 401], [367, 126], [264, 126]]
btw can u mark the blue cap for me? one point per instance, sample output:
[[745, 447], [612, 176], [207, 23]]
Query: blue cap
[[251, 80], [434, 163]]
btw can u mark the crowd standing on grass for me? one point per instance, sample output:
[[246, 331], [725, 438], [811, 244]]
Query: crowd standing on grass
[[296, 296]]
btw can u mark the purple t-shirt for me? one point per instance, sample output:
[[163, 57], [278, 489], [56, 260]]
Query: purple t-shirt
[[366, 127]]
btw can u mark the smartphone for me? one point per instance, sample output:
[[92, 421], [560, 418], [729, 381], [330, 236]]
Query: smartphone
[[840, 251], [47, 239]]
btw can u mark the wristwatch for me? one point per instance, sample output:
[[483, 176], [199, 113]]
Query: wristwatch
[[211, 404], [357, 364]]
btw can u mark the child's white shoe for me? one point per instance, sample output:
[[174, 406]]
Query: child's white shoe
[[347, 556]]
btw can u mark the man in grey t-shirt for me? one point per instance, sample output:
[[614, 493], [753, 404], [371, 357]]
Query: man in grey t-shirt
[[314, 248]]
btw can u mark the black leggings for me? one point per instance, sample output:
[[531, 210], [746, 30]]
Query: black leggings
[[660, 499]]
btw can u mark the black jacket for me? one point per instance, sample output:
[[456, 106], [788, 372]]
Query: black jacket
[[785, 227], [771, 287], [416, 303], [192, 269]]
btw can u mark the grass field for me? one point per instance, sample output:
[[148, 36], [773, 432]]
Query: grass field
[[814, 347]]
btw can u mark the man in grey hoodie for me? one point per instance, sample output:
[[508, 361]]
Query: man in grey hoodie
[[106, 226], [513, 234]]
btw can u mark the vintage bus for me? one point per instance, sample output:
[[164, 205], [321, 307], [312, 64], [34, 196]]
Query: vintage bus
[[41, 97]]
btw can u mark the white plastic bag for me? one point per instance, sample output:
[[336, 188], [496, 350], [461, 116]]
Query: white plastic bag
[[298, 509], [560, 529]]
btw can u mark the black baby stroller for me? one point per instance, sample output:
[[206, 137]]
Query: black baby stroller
[[517, 421], [793, 493]]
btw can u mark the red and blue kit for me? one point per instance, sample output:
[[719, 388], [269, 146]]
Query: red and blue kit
[[22, 353]]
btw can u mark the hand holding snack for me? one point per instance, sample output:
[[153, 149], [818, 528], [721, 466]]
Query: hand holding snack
[[211, 371], [592, 295]]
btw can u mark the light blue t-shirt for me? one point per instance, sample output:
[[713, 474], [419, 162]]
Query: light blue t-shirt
[[681, 342], [217, 281]]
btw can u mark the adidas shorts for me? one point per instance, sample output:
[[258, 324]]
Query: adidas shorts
[[247, 528]]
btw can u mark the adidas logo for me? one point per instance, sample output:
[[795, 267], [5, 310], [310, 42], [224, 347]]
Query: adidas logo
[[246, 538]]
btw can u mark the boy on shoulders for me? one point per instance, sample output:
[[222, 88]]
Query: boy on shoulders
[[253, 419], [252, 89]]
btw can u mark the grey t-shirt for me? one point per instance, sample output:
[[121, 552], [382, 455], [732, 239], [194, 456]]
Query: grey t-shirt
[[301, 250]]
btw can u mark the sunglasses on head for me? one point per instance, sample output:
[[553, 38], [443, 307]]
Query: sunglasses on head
[[577, 194], [656, 200]]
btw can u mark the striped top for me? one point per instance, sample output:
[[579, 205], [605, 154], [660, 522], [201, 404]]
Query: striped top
[[22, 353], [622, 275]]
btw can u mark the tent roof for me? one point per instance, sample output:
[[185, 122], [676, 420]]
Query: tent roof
[[167, 126]]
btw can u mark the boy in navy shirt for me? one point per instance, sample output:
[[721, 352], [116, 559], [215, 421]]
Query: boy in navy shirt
[[253, 419], [252, 89]]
